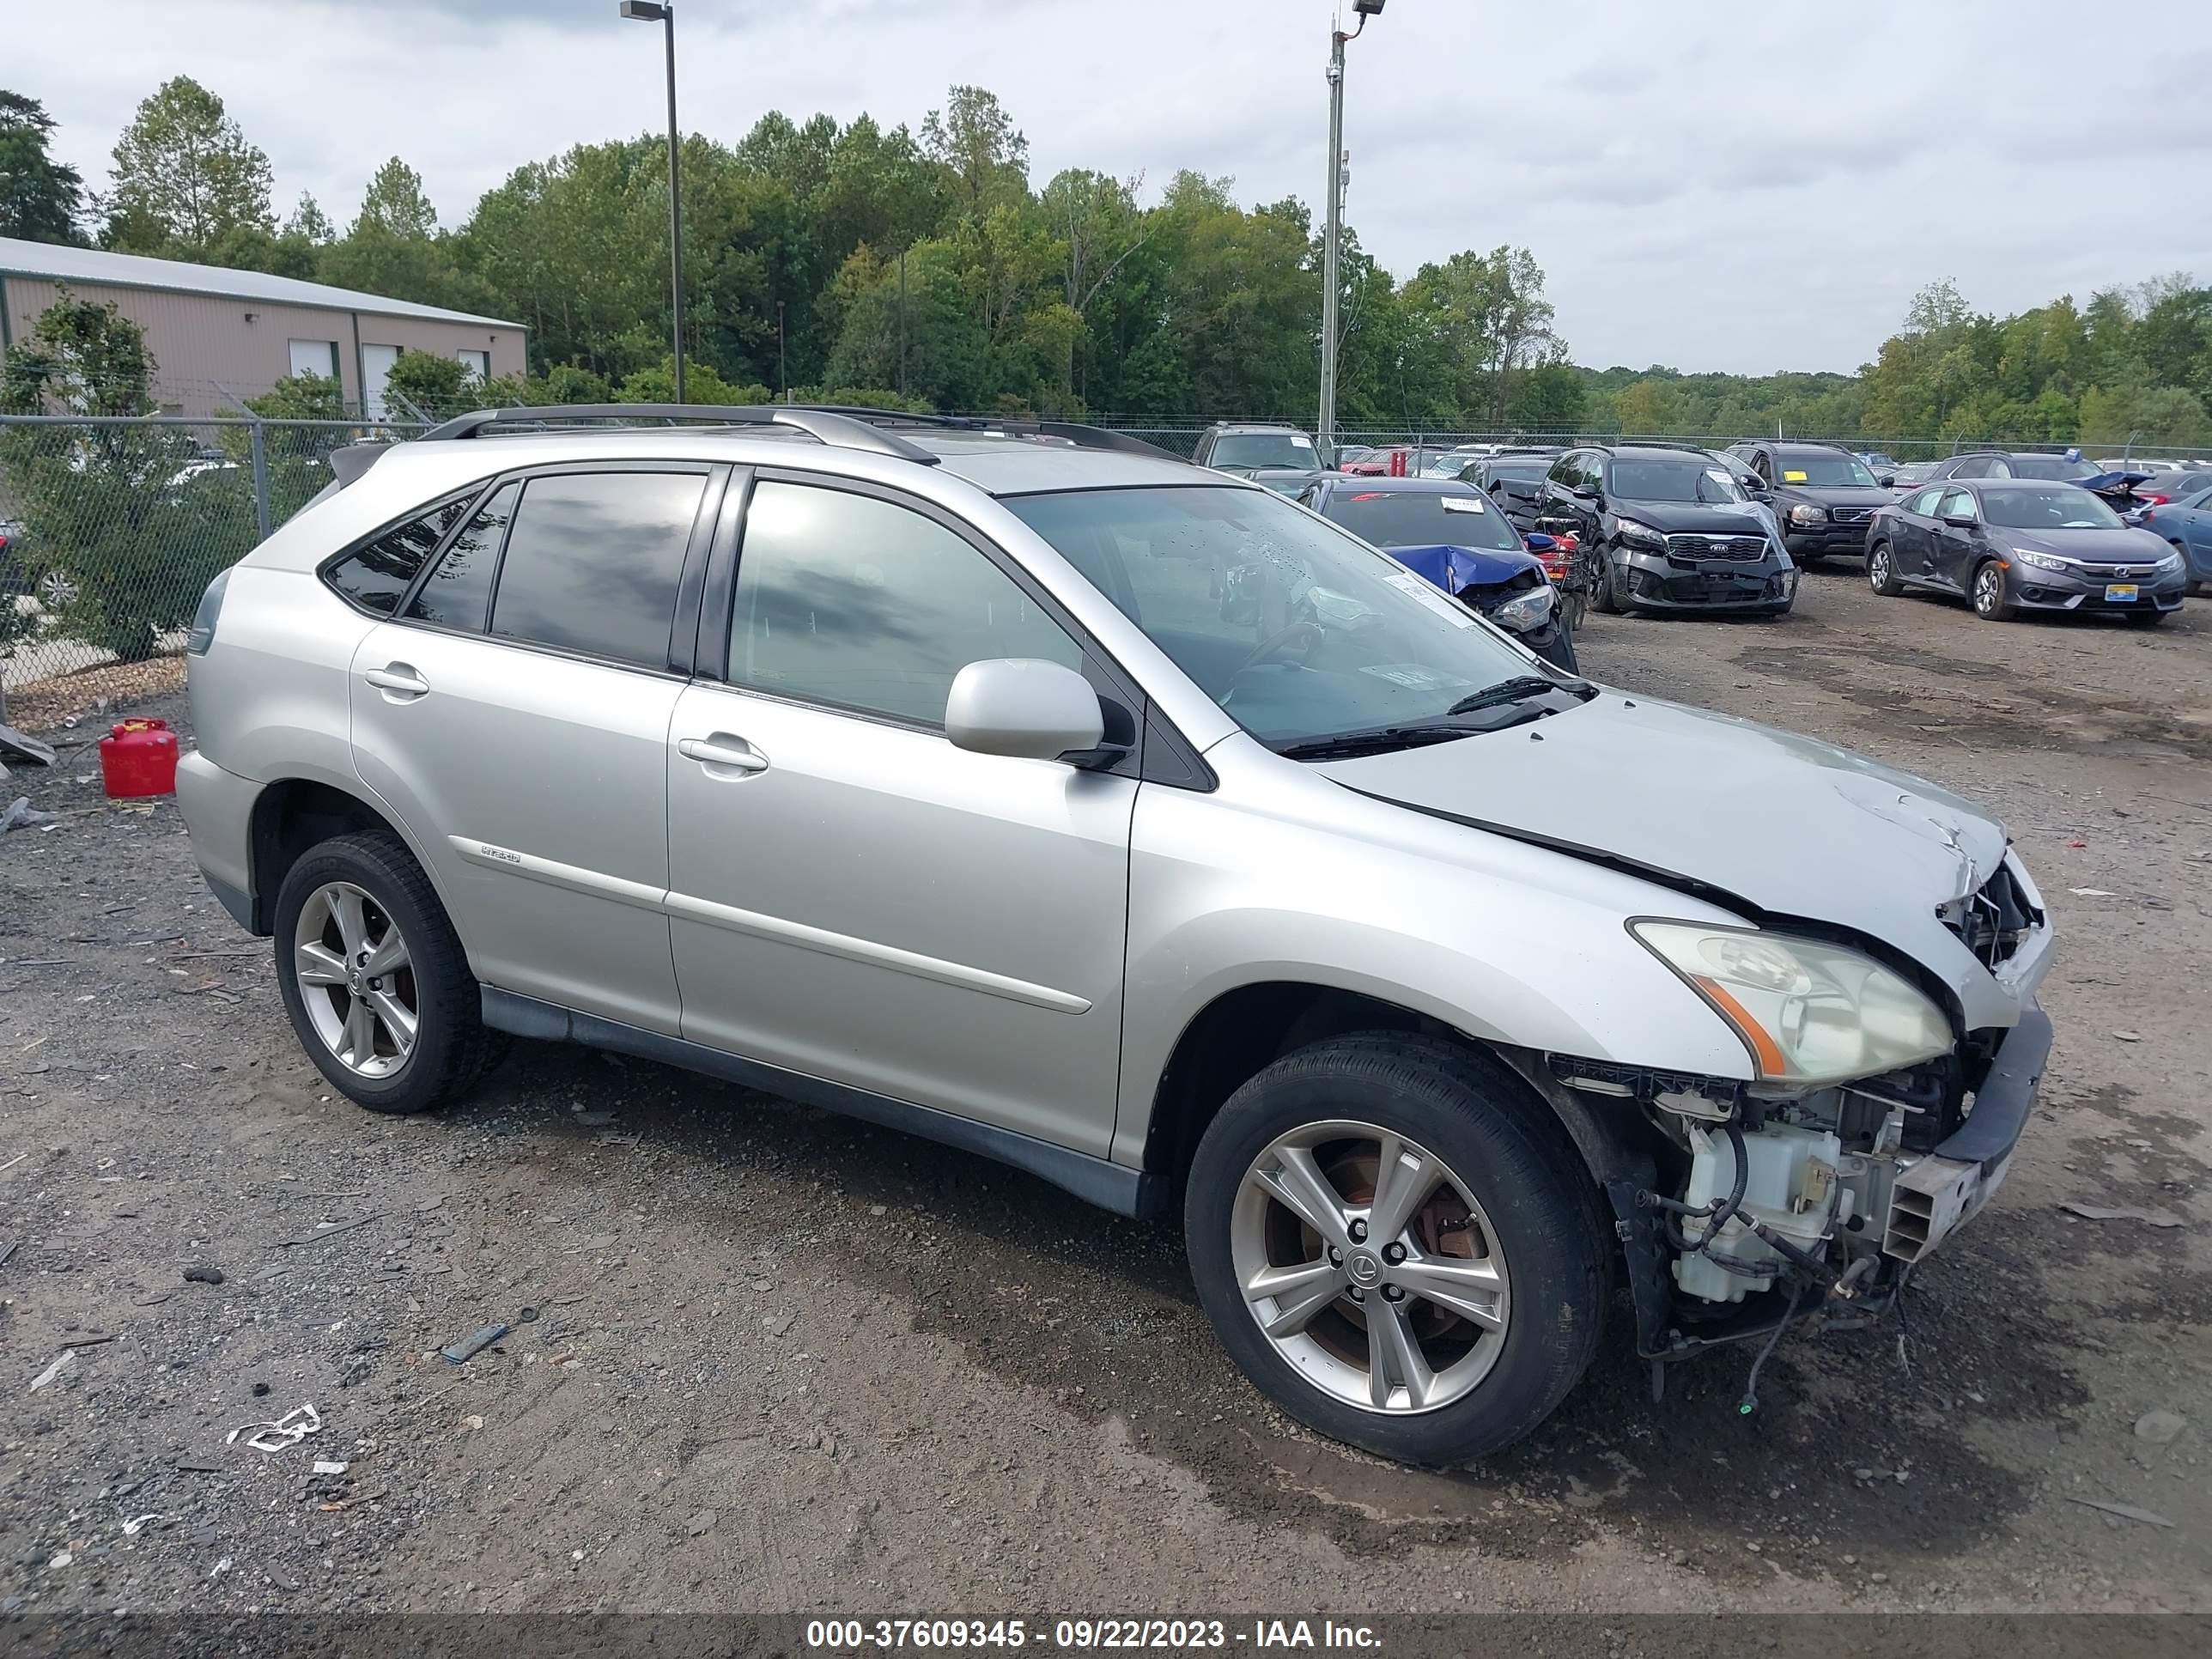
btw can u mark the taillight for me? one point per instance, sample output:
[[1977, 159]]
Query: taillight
[[203, 619], [2158, 501]]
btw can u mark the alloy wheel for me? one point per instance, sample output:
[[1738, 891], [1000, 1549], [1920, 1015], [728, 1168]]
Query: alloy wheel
[[356, 979], [1370, 1267], [1877, 568], [1989, 590]]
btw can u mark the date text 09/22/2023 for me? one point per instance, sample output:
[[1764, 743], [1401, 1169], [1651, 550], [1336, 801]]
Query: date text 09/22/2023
[[1156, 1634]]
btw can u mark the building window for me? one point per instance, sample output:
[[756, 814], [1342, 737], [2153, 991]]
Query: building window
[[478, 364], [315, 357]]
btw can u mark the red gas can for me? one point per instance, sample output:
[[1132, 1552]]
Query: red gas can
[[139, 757]]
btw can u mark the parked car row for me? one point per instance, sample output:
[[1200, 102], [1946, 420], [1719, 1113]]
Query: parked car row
[[1665, 527]]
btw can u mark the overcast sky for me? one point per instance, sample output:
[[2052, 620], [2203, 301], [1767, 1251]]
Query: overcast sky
[[1710, 185]]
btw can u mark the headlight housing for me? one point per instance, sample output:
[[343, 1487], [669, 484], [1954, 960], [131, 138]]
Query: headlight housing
[[1811, 1012], [1638, 534], [2040, 560], [1807, 515], [2171, 562], [1525, 610]]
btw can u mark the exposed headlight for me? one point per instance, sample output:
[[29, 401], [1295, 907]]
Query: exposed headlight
[[1525, 611], [2040, 560], [1637, 534], [2172, 561], [1808, 515], [1810, 1013]]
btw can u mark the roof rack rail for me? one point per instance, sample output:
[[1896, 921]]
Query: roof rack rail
[[1083, 437], [1654, 443], [834, 427]]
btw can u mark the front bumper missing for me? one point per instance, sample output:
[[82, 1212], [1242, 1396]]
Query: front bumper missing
[[1961, 1174], [1949, 1187]]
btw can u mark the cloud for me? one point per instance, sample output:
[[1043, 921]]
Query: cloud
[[1712, 184]]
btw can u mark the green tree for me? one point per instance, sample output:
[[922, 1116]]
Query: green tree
[[128, 514], [702, 385], [984, 156], [437, 385], [395, 204], [41, 199], [310, 224], [185, 175]]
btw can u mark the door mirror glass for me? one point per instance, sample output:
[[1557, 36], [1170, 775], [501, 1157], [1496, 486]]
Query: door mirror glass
[[1960, 520], [1022, 707]]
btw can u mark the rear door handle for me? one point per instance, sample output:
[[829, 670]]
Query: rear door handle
[[398, 678], [724, 751]]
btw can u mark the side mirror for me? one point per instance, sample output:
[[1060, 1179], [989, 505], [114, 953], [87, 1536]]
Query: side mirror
[[1885, 480], [1960, 520], [1537, 541], [1022, 707]]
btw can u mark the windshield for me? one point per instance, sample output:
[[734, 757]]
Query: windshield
[[1421, 518], [1299, 631], [1264, 449], [1451, 464], [1825, 471], [1519, 469], [1673, 481], [2054, 467], [2026, 507], [1916, 473]]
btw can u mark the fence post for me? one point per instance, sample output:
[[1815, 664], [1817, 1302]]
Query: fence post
[[259, 429]]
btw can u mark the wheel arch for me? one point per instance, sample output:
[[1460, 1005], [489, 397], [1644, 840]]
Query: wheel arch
[[1246, 1028], [291, 815]]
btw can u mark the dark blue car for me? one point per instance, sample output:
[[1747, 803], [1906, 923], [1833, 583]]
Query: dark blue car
[[2185, 520], [1452, 535]]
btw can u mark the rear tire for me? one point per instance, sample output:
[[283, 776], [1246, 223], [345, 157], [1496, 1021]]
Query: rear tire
[[1882, 573], [1511, 1201], [450, 1048]]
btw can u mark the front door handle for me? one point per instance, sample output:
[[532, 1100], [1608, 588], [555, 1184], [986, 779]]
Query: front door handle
[[399, 679], [723, 752]]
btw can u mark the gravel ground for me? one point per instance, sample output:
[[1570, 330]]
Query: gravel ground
[[765, 1359]]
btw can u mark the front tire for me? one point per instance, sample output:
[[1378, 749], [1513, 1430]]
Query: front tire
[[374, 979], [1882, 571], [1398, 1245], [1992, 592]]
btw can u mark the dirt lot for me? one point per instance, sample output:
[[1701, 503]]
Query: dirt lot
[[766, 1359]]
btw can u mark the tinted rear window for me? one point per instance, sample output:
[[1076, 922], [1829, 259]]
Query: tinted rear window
[[457, 591], [593, 561], [375, 576]]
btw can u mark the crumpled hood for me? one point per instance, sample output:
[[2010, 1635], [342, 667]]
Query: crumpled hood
[[1788, 825], [1453, 567]]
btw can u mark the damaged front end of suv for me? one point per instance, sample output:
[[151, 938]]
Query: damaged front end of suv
[[1873, 1127]]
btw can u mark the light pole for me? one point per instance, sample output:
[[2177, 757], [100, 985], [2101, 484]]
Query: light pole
[[1333, 237], [660, 12]]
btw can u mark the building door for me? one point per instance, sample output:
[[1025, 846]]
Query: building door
[[377, 362], [315, 357]]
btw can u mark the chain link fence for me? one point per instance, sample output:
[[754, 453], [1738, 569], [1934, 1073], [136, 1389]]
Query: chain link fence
[[110, 528]]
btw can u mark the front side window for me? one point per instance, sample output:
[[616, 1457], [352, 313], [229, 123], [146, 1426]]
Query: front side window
[[455, 593], [375, 576], [593, 560], [859, 603], [1958, 503], [1295, 630], [1421, 518], [1924, 502]]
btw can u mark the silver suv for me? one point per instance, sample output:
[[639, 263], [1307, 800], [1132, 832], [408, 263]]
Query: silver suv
[[1031, 790]]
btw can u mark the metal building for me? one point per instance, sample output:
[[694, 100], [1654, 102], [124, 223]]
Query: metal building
[[212, 329]]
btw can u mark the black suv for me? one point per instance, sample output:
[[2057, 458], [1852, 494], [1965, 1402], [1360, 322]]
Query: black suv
[[1824, 497], [1280, 457], [1665, 529]]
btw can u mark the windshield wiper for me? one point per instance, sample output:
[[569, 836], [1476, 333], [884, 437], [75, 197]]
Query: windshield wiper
[[1519, 689], [1378, 740]]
